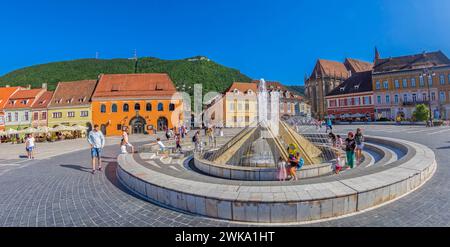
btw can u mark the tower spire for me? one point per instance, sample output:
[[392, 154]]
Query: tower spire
[[377, 55]]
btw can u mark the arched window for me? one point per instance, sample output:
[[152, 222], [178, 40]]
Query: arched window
[[103, 108], [148, 107], [171, 107], [126, 108], [137, 107], [160, 107], [114, 108]]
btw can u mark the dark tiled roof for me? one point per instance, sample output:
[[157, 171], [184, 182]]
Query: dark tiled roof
[[417, 61], [73, 93], [357, 83], [330, 68], [43, 100]]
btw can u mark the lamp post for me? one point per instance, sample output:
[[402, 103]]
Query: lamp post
[[427, 73]]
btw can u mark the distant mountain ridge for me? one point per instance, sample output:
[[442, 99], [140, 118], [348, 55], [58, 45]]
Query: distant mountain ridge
[[297, 89], [183, 72]]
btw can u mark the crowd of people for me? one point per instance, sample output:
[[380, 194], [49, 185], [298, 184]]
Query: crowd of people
[[352, 145]]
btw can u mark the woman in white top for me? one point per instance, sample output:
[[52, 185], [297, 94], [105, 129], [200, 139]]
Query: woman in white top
[[29, 146]]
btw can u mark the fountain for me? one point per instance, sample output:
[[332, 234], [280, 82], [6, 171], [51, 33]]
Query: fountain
[[259, 146]]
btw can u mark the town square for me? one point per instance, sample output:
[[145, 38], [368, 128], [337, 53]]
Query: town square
[[201, 114]]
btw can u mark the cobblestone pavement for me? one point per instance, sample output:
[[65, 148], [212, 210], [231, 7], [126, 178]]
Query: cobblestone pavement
[[60, 191]]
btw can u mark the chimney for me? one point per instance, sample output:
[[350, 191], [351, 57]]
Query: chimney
[[29, 86], [44, 86], [7, 85]]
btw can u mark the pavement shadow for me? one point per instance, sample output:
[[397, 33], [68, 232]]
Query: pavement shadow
[[448, 147], [23, 156], [77, 167]]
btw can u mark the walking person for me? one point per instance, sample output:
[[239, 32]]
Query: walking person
[[329, 126], [97, 141], [359, 139], [125, 139], [350, 146], [178, 142], [196, 141], [29, 146]]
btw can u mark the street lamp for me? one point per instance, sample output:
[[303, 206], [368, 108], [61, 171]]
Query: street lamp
[[429, 74]]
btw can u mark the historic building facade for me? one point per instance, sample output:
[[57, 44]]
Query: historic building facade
[[241, 104], [142, 102], [39, 111], [69, 107], [19, 108], [5, 95], [353, 99], [400, 83], [326, 76]]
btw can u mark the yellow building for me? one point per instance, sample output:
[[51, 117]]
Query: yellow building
[[70, 104], [241, 104]]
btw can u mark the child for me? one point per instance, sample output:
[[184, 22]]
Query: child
[[282, 174], [29, 146], [178, 142], [337, 165], [123, 147]]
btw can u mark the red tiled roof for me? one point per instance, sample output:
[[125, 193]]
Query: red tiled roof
[[358, 65], [243, 86], [65, 95], [134, 85], [5, 94], [24, 98], [43, 101]]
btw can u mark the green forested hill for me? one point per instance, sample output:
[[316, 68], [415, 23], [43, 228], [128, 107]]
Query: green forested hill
[[213, 76], [298, 89]]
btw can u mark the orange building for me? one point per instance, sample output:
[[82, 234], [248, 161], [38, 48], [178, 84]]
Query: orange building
[[5, 94], [142, 102]]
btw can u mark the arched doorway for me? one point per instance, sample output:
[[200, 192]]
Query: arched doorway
[[137, 125], [162, 122], [103, 129]]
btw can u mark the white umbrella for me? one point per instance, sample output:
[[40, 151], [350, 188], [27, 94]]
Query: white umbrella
[[79, 127], [2, 133], [30, 130], [62, 128], [43, 129], [12, 132]]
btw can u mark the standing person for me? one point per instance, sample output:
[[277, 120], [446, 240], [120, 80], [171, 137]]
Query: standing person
[[350, 146], [29, 146], [329, 126], [178, 142], [196, 141], [97, 141], [293, 161], [282, 174], [125, 139], [339, 141], [359, 139]]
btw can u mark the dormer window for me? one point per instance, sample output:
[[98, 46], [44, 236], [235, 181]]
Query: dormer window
[[24, 102], [115, 87], [58, 101], [250, 92], [81, 99], [69, 100], [236, 91], [342, 89], [356, 86]]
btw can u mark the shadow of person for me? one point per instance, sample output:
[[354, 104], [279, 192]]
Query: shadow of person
[[77, 167]]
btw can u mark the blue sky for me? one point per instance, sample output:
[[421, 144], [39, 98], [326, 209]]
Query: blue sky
[[276, 40]]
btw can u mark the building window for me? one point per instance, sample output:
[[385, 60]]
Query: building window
[[160, 107], [388, 99], [235, 119], [396, 99], [405, 83], [397, 84], [357, 101], [424, 96], [103, 108], [247, 119], [414, 97], [430, 81], [377, 85], [421, 82], [114, 108], [171, 107], [448, 78], [441, 96], [433, 96], [16, 116], [442, 79], [36, 116], [44, 115], [26, 116], [148, 107], [119, 127], [57, 114], [9, 117], [386, 84], [126, 107], [405, 98], [137, 107], [247, 105], [366, 100], [378, 99], [84, 113], [413, 82], [71, 114]]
